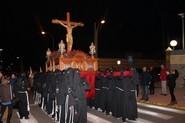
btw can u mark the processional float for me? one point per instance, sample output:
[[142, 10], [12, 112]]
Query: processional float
[[65, 58]]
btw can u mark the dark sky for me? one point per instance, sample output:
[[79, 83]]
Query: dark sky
[[142, 28]]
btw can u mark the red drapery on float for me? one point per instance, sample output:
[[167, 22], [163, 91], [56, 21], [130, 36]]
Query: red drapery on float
[[88, 65], [90, 77]]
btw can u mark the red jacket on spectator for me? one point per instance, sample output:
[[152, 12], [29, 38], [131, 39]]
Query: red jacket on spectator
[[163, 74]]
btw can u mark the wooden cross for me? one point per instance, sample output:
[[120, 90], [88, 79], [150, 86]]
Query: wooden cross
[[69, 27]]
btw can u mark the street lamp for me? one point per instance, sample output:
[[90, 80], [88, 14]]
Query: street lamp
[[118, 62], [173, 43], [182, 17], [168, 49], [43, 33], [102, 21], [17, 57], [48, 34], [97, 27]]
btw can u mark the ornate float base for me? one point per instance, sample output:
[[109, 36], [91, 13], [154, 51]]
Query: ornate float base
[[88, 66], [73, 59]]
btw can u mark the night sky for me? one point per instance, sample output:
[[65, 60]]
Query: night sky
[[142, 28]]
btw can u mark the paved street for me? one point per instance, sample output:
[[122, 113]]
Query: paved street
[[156, 110], [147, 114], [158, 99]]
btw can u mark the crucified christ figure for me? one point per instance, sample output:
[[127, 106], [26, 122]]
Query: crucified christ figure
[[69, 28]]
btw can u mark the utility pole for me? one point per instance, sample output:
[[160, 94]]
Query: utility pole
[[182, 17], [96, 34]]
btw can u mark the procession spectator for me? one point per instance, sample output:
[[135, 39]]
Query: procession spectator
[[171, 82], [163, 78]]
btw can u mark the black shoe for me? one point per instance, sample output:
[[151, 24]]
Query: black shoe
[[141, 99], [170, 104], [134, 119], [173, 103], [26, 117], [21, 117], [123, 119], [107, 113], [146, 100]]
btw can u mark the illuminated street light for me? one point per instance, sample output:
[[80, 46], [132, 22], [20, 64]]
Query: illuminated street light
[[102, 21], [97, 27], [43, 33], [118, 62], [169, 49], [182, 17], [48, 34], [173, 43]]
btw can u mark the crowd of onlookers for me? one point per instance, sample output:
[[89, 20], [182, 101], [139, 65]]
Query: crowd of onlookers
[[13, 92], [13, 88], [165, 76], [148, 77]]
